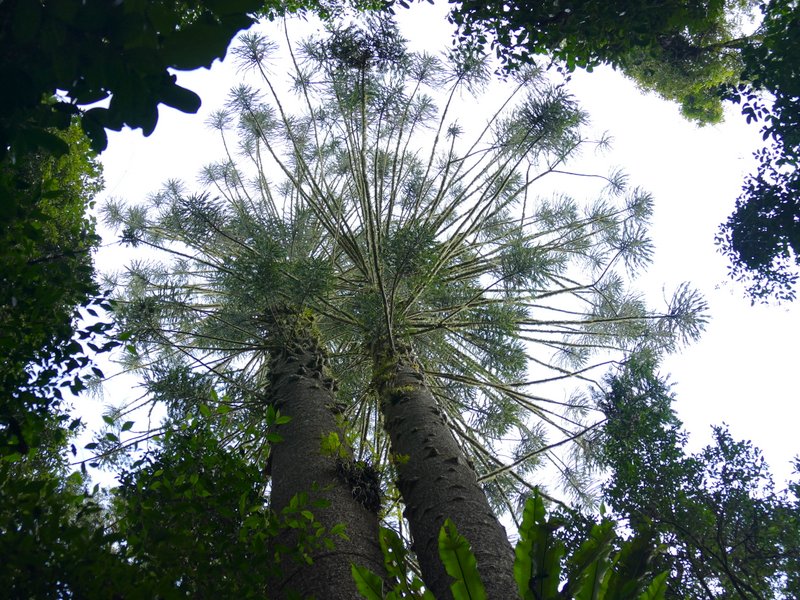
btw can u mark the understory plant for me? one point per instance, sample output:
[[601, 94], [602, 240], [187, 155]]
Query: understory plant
[[599, 565]]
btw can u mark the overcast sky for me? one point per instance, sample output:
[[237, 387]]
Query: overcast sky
[[743, 370]]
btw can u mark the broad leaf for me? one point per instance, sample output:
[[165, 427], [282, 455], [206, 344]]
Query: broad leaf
[[657, 588], [590, 563], [369, 585], [460, 563], [394, 553], [180, 98], [532, 514], [631, 566], [537, 566]]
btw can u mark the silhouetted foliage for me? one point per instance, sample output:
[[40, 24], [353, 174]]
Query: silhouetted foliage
[[698, 54], [725, 531]]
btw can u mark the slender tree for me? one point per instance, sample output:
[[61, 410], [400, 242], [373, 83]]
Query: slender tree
[[727, 531], [302, 391]]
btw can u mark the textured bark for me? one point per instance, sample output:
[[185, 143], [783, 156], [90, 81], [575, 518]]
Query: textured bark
[[437, 483], [300, 390]]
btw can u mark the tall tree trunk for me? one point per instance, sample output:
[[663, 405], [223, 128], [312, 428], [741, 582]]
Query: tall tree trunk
[[301, 391], [438, 483]]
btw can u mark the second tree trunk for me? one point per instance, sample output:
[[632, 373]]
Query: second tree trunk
[[438, 483]]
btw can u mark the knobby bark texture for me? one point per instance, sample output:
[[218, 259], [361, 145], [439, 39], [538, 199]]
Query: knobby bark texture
[[438, 483], [301, 391]]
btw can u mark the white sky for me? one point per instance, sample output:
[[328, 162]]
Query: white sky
[[742, 371]]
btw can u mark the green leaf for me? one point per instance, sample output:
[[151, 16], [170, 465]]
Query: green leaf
[[26, 21], [532, 513], [233, 7], [180, 98], [31, 139], [537, 566], [460, 564], [631, 566], [394, 553], [369, 585], [75, 478], [196, 46], [339, 530], [126, 426], [93, 123], [591, 583], [657, 588], [331, 445], [590, 563]]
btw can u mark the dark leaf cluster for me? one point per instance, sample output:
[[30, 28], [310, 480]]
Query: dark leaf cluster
[[724, 529], [46, 285], [696, 54]]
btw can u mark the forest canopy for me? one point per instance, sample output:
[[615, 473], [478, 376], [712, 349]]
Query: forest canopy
[[347, 331]]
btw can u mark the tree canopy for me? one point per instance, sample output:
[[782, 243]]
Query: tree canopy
[[762, 236], [699, 54], [377, 278], [88, 52], [433, 268], [685, 51], [46, 246], [727, 532]]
